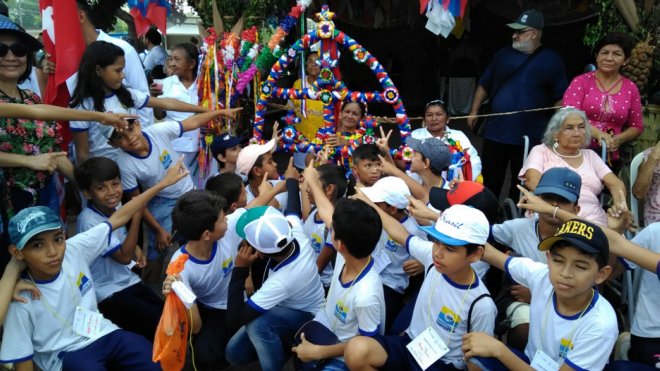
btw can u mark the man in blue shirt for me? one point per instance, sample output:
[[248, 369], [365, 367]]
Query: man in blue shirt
[[522, 76]]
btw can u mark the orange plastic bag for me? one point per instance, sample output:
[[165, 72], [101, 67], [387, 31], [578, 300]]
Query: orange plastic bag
[[172, 331]]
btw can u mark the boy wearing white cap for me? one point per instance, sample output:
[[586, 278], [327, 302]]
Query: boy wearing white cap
[[391, 194], [255, 161], [291, 293], [451, 302]]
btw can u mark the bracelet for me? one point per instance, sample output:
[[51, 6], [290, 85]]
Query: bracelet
[[554, 213]]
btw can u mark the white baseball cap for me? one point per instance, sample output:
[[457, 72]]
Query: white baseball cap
[[391, 190], [265, 228], [248, 156], [460, 225]]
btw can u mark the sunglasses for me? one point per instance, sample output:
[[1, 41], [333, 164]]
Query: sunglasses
[[19, 50]]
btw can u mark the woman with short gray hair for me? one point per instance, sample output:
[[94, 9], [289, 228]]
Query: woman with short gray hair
[[564, 145]]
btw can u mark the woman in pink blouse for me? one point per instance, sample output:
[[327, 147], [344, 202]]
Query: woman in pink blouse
[[563, 145], [611, 101]]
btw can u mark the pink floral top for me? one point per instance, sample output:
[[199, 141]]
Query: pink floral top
[[611, 113], [25, 137], [652, 201], [591, 171]]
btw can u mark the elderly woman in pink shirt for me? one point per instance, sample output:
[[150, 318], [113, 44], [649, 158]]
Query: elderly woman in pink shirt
[[563, 146], [611, 101]]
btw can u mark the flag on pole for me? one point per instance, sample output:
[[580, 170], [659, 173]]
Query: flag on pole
[[148, 12], [63, 42]]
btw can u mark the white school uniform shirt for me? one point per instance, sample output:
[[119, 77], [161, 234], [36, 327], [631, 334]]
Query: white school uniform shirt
[[458, 136], [593, 335], [281, 198], [443, 304], [293, 283], [521, 235], [392, 274], [645, 323], [134, 73], [41, 329], [109, 275], [173, 88], [149, 170], [319, 239], [97, 134], [356, 307]]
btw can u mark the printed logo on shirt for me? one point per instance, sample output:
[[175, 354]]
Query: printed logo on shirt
[[391, 245], [83, 283], [447, 319], [341, 311], [316, 243], [227, 266], [165, 159], [564, 347]]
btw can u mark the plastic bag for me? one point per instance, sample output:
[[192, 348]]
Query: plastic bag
[[172, 331]]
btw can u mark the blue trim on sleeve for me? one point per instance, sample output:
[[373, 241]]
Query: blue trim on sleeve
[[130, 190], [408, 243], [657, 269], [17, 360], [573, 365], [624, 263], [78, 129], [109, 232], [145, 102], [506, 266], [254, 306], [329, 245], [112, 251], [369, 333], [180, 128]]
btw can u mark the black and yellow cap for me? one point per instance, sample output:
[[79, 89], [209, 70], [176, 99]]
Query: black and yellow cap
[[582, 234]]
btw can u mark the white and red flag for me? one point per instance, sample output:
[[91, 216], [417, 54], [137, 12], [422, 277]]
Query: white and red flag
[[63, 41]]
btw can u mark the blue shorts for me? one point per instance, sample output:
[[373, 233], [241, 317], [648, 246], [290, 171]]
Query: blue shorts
[[399, 358]]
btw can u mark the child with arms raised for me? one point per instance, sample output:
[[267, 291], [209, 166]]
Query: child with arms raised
[[118, 289], [56, 331]]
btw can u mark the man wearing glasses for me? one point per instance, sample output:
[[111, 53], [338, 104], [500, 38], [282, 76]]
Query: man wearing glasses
[[522, 76]]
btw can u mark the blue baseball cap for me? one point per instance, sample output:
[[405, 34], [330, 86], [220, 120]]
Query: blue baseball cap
[[223, 142], [7, 26], [560, 181], [30, 222]]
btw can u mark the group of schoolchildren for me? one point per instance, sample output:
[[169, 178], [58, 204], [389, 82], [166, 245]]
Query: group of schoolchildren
[[312, 265]]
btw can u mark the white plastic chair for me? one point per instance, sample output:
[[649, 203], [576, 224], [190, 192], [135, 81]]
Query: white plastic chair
[[634, 203]]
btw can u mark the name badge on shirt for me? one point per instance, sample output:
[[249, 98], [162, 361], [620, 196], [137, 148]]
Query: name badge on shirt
[[543, 362], [87, 323], [427, 348], [381, 260]]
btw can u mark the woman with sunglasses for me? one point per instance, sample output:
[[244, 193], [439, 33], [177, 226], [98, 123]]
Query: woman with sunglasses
[[436, 118], [29, 149]]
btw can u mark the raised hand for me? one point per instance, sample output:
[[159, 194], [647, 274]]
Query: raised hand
[[384, 140], [246, 256], [175, 173], [291, 171]]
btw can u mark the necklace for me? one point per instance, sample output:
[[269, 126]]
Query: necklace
[[579, 153]]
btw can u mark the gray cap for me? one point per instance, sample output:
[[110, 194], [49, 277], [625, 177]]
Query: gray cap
[[434, 149], [529, 18]]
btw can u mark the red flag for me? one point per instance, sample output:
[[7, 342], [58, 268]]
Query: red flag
[[148, 12], [63, 41]]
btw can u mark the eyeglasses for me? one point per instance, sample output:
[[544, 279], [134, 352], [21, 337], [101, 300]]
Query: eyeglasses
[[19, 50], [520, 32]]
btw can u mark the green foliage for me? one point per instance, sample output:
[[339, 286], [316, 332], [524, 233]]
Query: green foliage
[[609, 19], [25, 12], [253, 10]]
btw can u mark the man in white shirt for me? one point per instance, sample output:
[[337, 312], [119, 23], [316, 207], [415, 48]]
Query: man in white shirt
[[157, 54]]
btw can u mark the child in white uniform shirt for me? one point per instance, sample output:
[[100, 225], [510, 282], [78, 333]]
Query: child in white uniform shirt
[[391, 194], [144, 158], [64, 329], [355, 304], [571, 325], [199, 218], [99, 88], [451, 302], [118, 289], [290, 295], [256, 161]]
